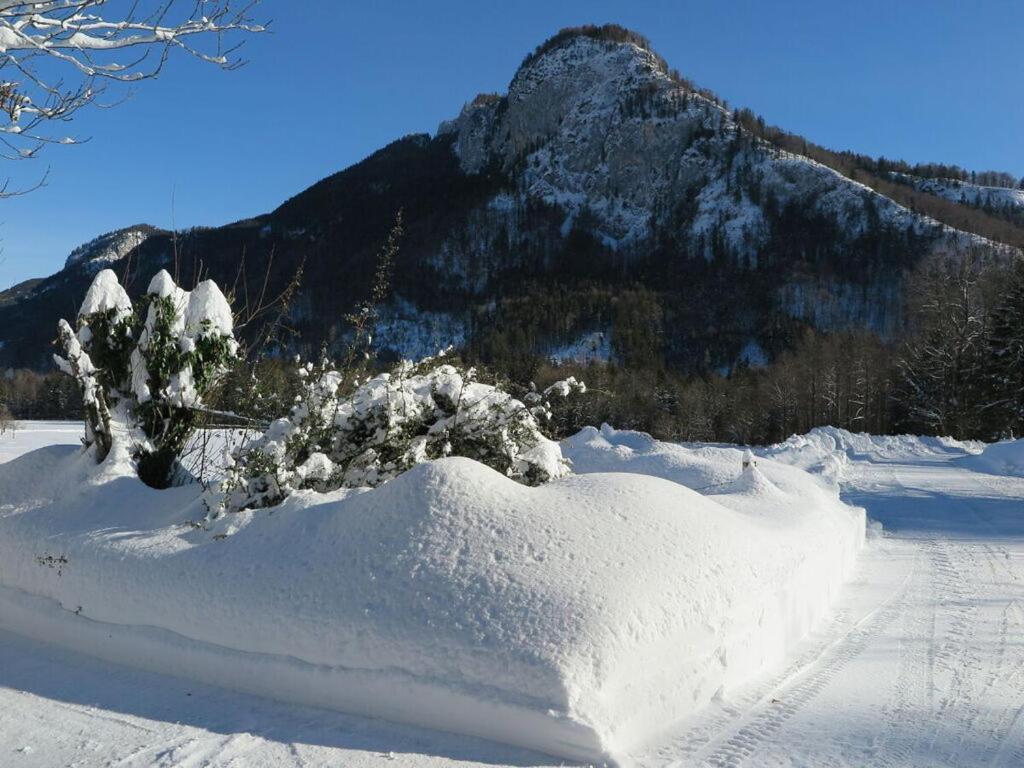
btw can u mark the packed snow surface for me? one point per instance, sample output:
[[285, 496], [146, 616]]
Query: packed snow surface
[[581, 618]]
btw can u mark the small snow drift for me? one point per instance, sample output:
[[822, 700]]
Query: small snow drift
[[826, 451], [578, 618], [1003, 458]]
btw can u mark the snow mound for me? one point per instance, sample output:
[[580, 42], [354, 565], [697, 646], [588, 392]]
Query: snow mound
[[827, 451], [1003, 458], [579, 618], [105, 294]]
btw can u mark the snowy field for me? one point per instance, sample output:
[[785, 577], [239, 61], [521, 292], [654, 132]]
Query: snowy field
[[920, 663]]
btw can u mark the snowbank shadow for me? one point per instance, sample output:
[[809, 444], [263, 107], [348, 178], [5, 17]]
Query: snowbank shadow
[[83, 682], [916, 511]]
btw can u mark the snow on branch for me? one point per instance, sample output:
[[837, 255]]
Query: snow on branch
[[59, 56]]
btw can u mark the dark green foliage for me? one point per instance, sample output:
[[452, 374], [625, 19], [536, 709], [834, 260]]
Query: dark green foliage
[[166, 423]]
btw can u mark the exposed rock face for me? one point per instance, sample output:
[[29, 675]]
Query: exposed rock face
[[600, 127], [106, 250]]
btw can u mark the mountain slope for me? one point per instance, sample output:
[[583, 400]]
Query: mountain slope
[[603, 194]]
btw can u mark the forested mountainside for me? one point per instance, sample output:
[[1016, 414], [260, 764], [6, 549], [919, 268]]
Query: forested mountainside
[[604, 207]]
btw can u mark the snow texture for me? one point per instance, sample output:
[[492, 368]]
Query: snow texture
[[595, 347], [580, 618], [413, 334], [1004, 458], [105, 293]]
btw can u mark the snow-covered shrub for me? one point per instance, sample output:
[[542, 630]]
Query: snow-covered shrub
[[143, 374], [388, 424]]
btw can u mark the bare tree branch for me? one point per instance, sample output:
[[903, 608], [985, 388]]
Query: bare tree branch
[[59, 56]]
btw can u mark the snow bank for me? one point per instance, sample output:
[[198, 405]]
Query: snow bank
[[827, 451], [1003, 458], [578, 618]]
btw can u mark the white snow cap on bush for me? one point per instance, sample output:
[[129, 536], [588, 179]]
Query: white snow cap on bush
[[203, 311], [104, 294], [208, 312], [390, 423]]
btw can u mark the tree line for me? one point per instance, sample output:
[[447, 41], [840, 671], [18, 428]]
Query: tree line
[[957, 370]]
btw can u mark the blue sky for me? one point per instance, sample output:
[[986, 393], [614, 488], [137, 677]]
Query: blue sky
[[337, 79]]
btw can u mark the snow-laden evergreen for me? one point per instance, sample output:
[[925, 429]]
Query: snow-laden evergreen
[[143, 374], [335, 438]]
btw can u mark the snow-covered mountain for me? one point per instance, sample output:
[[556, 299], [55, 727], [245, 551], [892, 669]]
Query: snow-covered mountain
[[107, 250], [603, 196], [601, 128]]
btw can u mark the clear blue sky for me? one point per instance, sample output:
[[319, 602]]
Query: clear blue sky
[[337, 79]]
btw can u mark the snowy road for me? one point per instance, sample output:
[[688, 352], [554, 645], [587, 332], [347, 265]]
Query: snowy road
[[922, 665]]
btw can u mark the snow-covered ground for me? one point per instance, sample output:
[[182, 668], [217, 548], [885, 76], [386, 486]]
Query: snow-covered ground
[[580, 618], [30, 435], [921, 664]]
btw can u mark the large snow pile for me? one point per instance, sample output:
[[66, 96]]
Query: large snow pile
[[577, 618], [1003, 458]]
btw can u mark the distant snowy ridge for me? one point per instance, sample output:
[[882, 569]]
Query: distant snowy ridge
[[599, 167], [105, 250], [600, 127], [965, 192]]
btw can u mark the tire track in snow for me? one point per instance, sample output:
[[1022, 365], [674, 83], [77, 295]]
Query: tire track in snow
[[748, 726], [956, 693], [1003, 681], [960, 727]]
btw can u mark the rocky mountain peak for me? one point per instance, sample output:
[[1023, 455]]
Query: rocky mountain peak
[[100, 252], [581, 74]]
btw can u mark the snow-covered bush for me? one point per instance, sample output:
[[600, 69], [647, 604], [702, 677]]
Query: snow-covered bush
[[390, 423], [143, 374]]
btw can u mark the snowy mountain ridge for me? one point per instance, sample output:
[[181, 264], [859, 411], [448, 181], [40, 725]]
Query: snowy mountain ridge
[[599, 127], [108, 249], [965, 192]]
